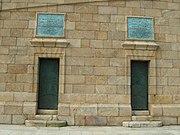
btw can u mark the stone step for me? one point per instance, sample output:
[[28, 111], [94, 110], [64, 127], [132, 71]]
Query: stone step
[[45, 123], [140, 113], [43, 117], [139, 124], [141, 118]]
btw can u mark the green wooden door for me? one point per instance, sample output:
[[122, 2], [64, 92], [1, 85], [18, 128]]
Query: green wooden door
[[48, 84], [139, 85]]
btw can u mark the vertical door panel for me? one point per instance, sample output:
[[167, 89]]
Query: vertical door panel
[[139, 85], [48, 84]]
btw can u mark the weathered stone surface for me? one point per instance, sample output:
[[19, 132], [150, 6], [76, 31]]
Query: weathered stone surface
[[18, 119], [83, 89], [13, 108], [69, 119], [169, 121], [156, 110], [95, 121], [64, 109], [95, 57], [140, 124], [114, 121], [108, 110], [35, 123], [6, 96], [56, 123], [29, 108], [125, 110], [2, 107], [79, 120], [83, 110], [93, 98], [5, 119], [171, 110]]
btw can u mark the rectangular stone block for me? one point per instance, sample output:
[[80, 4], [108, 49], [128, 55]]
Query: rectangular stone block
[[81, 34], [117, 121], [65, 8], [97, 62], [176, 99], [96, 98], [119, 99], [6, 96], [2, 107], [83, 89], [79, 120], [24, 78], [5, 119], [64, 109], [83, 109], [29, 108], [96, 43], [96, 79], [125, 110], [18, 119], [101, 35], [69, 119], [116, 35], [86, 9], [86, 17], [86, 70], [116, 80], [105, 89], [107, 10], [108, 110], [6, 59], [156, 110], [5, 32], [160, 99], [3, 49], [25, 96], [15, 87], [80, 52], [171, 110], [101, 18], [79, 61], [13, 108], [36, 123], [169, 121], [105, 71], [15, 24], [124, 11], [75, 79], [95, 121], [87, 26], [72, 98]]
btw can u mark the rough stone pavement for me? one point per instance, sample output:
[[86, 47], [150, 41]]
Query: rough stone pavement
[[75, 130]]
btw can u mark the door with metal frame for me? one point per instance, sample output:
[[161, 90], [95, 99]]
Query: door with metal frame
[[48, 84], [139, 85]]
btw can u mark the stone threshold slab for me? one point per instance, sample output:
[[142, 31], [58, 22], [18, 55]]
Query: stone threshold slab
[[45, 123], [140, 124]]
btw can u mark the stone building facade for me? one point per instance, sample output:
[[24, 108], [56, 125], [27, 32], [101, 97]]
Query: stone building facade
[[94, 58]]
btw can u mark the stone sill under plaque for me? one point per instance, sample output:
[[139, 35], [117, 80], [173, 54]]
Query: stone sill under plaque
[[140, 45], [40, 42]]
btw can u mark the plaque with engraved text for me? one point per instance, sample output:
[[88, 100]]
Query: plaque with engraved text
[[50, 25], [140, 28]]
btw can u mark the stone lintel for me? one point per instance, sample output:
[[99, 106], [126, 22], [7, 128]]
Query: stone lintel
[[47, 42], [140, 45]]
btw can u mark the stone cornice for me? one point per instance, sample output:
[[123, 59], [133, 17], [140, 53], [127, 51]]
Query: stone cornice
[[39, 42], [139, 45]]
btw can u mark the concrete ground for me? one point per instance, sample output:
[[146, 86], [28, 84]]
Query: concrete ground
[[23, 130]]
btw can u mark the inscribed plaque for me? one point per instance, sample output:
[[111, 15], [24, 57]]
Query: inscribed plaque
[[140, 28], [50, 25]]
